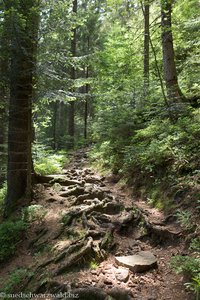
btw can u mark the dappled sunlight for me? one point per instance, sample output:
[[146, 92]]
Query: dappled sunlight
[[99, 149]]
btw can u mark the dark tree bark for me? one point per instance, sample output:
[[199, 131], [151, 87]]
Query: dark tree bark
[[71, 128], [55, 144], [4, 92], [86, 105], [146, 48], [25, 19], [170, 73], [87, 88], [3, 125], [62, 125]]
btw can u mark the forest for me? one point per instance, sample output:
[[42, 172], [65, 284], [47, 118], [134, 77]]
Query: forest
[[99, 149]]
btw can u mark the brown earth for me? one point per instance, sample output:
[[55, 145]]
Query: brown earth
[[84, 220]]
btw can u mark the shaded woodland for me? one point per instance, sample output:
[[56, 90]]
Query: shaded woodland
[[119, 79]]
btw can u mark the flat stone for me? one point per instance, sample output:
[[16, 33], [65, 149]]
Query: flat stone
[[140, 262], [122, 274]]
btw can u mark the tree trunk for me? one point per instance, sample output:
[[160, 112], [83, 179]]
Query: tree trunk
[[62, 126], [86, 105], [170, 73], [146, 49], [23, 60], [71, 128], [55, 125], [87, 88], [3, 97], [4, 94]]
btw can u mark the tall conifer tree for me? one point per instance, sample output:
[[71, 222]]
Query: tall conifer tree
[[24, 22]]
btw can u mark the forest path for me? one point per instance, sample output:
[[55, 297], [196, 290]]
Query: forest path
[[84, 221]]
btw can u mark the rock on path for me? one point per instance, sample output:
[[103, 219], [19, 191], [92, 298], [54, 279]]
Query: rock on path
[[140, 262]]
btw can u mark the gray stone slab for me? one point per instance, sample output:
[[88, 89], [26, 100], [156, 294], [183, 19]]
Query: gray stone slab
[[140, 262]]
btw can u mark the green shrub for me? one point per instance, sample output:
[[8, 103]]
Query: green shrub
[[101, 156], [195, 244], [33, 213], [150, 152], [50, 164], [93, 264], [184, 218], [10, 235], [194, 285], [15, 279], [151, 147], [3, 192], [190, 267]]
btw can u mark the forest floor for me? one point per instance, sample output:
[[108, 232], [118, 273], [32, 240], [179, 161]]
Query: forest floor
[[85, 220]]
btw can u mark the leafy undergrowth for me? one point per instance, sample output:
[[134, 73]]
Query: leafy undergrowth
[[160, 159], [10, 235], [33, 213], [189, 266], [3, 192], [47, 162], [11, 231], [15, 279]]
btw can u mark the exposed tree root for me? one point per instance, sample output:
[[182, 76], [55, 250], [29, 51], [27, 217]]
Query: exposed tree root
[[74, 258], [62, 179], [91, 228]]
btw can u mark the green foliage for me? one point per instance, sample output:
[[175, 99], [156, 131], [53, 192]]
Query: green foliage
[[156, 152], [194, 285], [48, 165], [186, 264], [186, 34], [195, 244], [46, 162], [135, 136], [42, 249], [15, 279], [190, 267], [156, 198], [33, 213], [74, 234], [165, 145], [10, 235], [198, 204], [101, 156], [184, 218], [3, 192], [81, 143], [66, 219], [93, 265]]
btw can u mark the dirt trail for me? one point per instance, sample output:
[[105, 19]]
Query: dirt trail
[[84, 221]]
